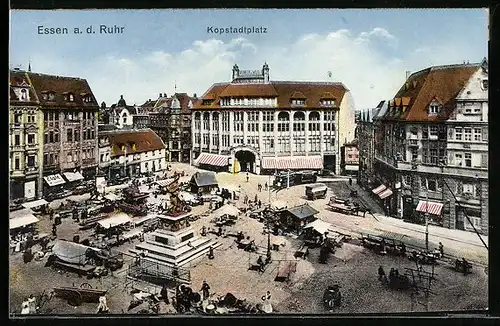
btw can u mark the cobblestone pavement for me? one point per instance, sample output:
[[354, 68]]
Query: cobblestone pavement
[[353, 266]]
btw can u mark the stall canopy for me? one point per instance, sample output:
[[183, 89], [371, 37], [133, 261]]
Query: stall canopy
[[111, 196], [302, 211], [116, 220], [21, 218], [279, 205], [186, 196], [386, 193], [36, 203], [73, 176], [295, 162], [430, 207], [227, 209], [212, 159], [71, 252], [203, 179], [319, 226], [54, 180], [379, 189]]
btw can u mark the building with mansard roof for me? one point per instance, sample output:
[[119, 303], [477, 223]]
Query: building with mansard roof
[[431, 148], [261, 126]]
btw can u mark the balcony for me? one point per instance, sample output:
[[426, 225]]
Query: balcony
[[32, 146], [412, 142], [31, 169], [16, 125], [445, 170], [17, 148]]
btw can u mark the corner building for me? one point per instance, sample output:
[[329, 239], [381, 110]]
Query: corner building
[[261, 126]]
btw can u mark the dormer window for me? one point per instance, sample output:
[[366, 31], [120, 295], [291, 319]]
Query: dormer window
[[327, 102], [71, 97], [484, 84], [434, 109], [298, 102], [45, 96], [24, 94], [51, 96]]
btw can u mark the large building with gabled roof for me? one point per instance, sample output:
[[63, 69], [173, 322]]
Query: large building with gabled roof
[[257, 125], [431, 148], [53, 130]]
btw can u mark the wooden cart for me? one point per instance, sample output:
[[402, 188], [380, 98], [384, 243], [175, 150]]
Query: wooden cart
[[77, 295]]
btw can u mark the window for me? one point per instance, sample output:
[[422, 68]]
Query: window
[[17, 140], [23, 94], [468, 159], [477, 134], [484, 84], [469, 188], [69, 158], [431, 185], [484, 160], [467, 134], [31, 139], [434, 109], [69, 135], [413, 153], [18, 118], [459, 159], [425, 133], [17, 163], [434, 155], [31, 118], [77, 135], [31, 161], [458, 133], [45, 159], [434, 131], [52, 96]]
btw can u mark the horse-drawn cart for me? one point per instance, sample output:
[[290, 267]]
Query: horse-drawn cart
[[77, 295]]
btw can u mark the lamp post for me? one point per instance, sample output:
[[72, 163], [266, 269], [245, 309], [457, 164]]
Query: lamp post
[[427, 221], [269, 190], [288, 179]]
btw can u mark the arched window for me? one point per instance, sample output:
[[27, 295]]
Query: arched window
[[314, 116], [299, 115], [283, 116]]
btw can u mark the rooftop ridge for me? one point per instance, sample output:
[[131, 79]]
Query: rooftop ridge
[[56, 76], [449, 66]]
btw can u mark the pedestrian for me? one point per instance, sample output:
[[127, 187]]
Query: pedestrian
[[247, 177], [103, 306], [164, 294], [211, 253], [32, 304], [441, 249], [205, 290], [256, 199], [260, 204], [265, 186], [350, 181], [381, 273], [54, 230], [266, 305]]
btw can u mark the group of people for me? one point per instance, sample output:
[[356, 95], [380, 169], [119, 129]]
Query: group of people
[[392, 274], [185, 297], [259, 187]]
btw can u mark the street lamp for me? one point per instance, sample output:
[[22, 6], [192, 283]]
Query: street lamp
[[427, 220]]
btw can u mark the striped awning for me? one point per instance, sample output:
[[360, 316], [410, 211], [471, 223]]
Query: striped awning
[[213, 159], [293, 162], [386, 193], [379, 189], [430, 207]]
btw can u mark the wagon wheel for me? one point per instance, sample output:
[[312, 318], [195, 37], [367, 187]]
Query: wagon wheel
[[85, 286], [75, 299]]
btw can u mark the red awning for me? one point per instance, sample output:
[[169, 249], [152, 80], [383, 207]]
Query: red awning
[[379, 189], [213, 159], [386, 193], [293, 162], [431, 208]]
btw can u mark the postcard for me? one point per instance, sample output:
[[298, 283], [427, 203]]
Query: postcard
[[248, 162]]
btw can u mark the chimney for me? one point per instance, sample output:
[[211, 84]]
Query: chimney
[[160, 95], [408, 73], [164, 94], [194, 95]]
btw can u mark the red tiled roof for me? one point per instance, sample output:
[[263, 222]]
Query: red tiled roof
[[312, 92], [43, 83], [442, 82], [144, 140]]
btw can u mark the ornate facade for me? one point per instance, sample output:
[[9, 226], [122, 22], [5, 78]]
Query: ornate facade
[[257, 125]]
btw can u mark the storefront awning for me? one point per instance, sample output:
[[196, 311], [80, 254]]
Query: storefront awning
[[430, 207], [21, 219], [54, 180], [379, 189], [386, 193], [36, 203], [212, 159], [293, 162], [73, 176], [319, 226], [116, 220]]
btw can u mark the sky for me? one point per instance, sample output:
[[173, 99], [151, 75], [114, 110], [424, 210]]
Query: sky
[[164, 51]]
